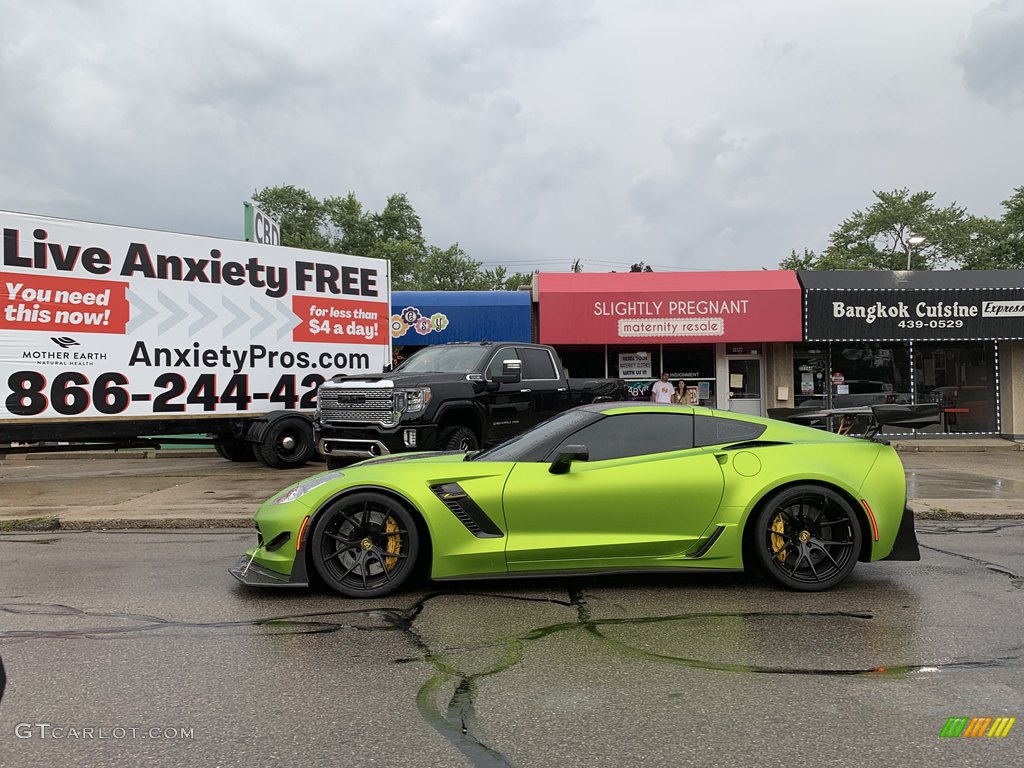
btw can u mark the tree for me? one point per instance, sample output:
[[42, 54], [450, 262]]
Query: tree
[[448, 269], [351, 228], [879, 237], [797, 262], [999, 243], [640, 267], [302, 217], [498, 279], [343, 225]]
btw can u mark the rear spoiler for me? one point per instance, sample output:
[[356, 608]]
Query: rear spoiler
[[907, 416]]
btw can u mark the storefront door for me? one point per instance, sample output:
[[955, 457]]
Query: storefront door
[[745, 377]]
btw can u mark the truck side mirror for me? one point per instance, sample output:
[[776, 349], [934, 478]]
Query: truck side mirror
[[566, 457], [511, 372]]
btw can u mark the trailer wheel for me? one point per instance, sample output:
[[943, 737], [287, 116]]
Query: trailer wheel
[[287, 443], [234, 449]]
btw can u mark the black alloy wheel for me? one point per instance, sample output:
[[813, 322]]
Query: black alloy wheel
[[458, 439], [807, 538], [365, 545]]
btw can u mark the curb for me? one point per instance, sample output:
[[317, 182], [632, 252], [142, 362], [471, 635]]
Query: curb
[[131, 453], [44, 524]]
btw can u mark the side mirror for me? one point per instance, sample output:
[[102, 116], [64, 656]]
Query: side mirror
[[511, 372], [566, 457]]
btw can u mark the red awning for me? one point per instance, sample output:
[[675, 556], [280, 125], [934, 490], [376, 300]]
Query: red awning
[[668, 307]]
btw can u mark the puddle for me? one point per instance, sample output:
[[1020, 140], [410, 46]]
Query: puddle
[[940, 484]]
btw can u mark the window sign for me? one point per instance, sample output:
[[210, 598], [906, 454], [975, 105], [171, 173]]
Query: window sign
[[635, 365]]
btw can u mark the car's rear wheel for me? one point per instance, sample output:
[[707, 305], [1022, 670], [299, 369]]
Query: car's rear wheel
[[365, 545], [807, 538]]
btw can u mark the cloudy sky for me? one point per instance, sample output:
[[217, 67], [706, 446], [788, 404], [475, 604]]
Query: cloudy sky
[[688, 134]]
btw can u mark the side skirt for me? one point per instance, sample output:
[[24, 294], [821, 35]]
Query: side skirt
[[587, 572]]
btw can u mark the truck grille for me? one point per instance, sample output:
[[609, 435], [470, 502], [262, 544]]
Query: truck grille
[[337, 404]]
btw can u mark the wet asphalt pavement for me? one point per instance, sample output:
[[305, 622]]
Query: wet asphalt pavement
[[113, 631]]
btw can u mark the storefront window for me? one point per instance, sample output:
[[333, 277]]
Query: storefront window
[[849, 375], [640, 366], [960, 377], [694, 364], [810, 375], [869, 374], [583, 362], [957, 375]]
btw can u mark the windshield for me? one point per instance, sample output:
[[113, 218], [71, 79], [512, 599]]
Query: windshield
[[445, 359], [536, 443]]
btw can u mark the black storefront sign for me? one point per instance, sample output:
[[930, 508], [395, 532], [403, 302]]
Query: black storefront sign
[[888, 306]]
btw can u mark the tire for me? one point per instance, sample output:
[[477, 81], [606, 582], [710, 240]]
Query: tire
[[287, 444], [235, 449], [806, 538], [365, 545], [458, 439]]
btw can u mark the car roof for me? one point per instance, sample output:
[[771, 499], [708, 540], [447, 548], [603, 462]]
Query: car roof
[[648, 407]]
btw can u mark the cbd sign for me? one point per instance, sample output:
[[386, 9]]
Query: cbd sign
[[260, 228]]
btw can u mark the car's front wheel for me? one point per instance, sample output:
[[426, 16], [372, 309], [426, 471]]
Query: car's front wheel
[[807, 538], [365, 545]]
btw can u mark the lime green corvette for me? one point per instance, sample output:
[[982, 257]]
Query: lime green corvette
[[609, 488]]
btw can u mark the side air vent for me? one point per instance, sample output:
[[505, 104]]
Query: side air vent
[[467, 511]]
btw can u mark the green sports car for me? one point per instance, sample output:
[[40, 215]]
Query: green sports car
[[609, 488]]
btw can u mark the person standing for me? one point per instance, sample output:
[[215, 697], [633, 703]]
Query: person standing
[[661, 390], [679, 394]]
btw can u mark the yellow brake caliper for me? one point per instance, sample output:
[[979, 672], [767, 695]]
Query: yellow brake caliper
[[394, 542], [778, 543]]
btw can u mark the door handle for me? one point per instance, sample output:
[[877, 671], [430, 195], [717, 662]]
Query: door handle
[[526, 391]]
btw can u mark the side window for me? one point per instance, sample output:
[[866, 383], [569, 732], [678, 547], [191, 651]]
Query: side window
[[633, 434], [503, 354], [711, 430], [537, 363]]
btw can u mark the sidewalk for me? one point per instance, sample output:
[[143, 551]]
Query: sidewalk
[[963, 478]]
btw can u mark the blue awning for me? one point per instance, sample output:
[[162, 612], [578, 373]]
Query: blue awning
[[436, 317]]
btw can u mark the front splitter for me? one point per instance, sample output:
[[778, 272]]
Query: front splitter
[[253, 575]]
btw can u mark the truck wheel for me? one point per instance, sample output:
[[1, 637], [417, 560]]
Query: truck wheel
[[287, 443], [458, 439], [234, 449]]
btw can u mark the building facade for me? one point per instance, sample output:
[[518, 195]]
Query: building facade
[[727, 335], [948, 337]]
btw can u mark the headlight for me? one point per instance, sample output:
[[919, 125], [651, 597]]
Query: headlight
[[412, 400], [307, 485]]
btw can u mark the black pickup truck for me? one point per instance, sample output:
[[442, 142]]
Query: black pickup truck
[[459, 397]]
